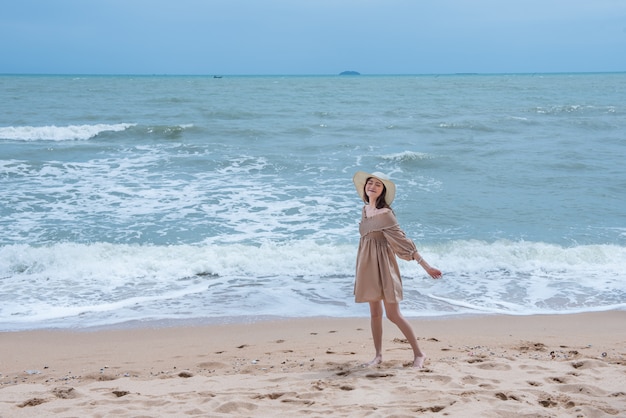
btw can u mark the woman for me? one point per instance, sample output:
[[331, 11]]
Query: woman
[[378, 280]]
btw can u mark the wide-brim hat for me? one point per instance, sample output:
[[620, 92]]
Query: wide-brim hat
[[360, 178]]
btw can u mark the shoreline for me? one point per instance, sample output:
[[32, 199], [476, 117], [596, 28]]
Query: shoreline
[[156, 324], [494, 365], [262, 319]]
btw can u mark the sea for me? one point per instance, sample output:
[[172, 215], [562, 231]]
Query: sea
[[137, 200]]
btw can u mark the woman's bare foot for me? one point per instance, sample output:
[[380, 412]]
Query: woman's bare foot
[[377, 360], [419, 361]]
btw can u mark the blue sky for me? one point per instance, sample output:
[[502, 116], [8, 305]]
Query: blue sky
[[311, 37]]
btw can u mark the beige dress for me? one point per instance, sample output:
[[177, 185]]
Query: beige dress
[[377, 273]]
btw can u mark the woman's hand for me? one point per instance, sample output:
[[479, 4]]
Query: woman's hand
[[433, 272]]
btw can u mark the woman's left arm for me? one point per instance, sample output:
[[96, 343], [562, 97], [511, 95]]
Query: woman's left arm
[[404, 248], [432, 272]]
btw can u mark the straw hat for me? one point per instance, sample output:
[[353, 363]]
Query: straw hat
[[360, 178]]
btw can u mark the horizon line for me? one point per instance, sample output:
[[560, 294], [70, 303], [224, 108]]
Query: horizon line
[[311, 75]]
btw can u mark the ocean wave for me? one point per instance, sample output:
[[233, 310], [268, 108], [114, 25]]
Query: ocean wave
[[469, 125], [168, 131], [82, 285], [59, 133], [553, 110], [105, 261], [406, 156]]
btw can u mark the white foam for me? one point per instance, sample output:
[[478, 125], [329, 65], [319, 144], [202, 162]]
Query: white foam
[[88, 284], [406, 156], [59, 133]]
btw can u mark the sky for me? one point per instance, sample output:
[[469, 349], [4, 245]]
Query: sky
[[308, 37]]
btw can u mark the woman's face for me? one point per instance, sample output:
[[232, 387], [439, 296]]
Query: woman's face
[[374, 188]]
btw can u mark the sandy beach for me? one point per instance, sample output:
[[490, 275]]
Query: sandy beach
[[483, 366]]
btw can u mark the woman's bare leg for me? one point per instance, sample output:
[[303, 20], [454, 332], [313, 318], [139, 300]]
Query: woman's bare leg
[[376, 323], [394, 315]]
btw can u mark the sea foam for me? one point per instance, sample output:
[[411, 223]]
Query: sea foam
[[59, 133], [79, 285]]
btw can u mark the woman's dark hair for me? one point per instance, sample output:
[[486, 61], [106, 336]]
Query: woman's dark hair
[[380, 202]]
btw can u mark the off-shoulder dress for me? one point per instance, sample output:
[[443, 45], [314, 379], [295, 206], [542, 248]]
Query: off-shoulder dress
[[377, 272]]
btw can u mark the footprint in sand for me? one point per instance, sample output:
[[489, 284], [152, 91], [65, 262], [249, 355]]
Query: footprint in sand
[[436, 408], [343, 373], [273, 395], [100, 377], [64, 393], [551, 401], [556, 380], [480, 382], [211, 365], [583, 389], [378, 375], [532, 369], [493, 366], [235, 407], [439, 378], [530, 346], [506, 397], [345, 353], [31, 402], [588, 364]]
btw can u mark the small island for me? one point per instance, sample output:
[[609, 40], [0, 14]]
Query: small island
[[349, 73]]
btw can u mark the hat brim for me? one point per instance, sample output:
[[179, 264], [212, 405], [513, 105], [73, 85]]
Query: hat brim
[[360, 178]]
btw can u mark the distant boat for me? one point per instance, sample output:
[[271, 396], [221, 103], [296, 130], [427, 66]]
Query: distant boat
[[349, 73], [217, 76]]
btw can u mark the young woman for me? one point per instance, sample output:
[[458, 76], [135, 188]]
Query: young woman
[[378, 280]]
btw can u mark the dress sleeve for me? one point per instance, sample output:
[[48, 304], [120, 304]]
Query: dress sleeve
[[400, 244]]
